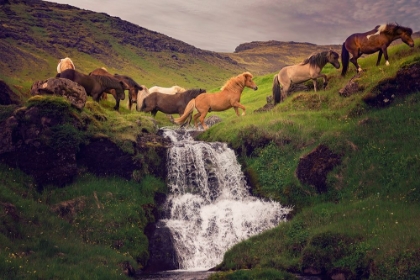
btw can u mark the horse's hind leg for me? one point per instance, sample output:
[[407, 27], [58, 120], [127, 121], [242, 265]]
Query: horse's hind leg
[[354, 58], [196, 118]]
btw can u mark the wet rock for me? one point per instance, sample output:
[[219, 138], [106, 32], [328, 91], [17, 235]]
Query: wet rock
[[163, 255]]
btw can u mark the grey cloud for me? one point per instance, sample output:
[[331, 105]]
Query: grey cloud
[[221, 25]]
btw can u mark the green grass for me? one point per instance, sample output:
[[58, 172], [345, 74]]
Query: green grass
[[366, 224], [104, 231]]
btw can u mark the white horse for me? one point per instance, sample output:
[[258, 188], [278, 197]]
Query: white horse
[[171, 90], [64, 64], [309, 69], [141, 95]]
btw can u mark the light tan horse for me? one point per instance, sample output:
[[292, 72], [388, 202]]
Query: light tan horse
[[171, 90], [309, 69], [64, 64], [228, 97]]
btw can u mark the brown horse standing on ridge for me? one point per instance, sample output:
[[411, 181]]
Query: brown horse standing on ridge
[[228, 97], [377, 39]]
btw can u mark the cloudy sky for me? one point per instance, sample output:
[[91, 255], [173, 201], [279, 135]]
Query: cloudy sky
[[221, 25]]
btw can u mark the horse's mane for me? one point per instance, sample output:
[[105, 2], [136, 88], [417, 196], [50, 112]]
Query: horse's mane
[[395, 28], [316, 59], [236, 82], [129, 81], [107, 81], [64, 64], [179, 89], [193, 92]]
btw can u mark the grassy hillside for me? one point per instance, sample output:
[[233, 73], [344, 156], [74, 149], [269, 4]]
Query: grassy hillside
[[366, 224], [36, 34]]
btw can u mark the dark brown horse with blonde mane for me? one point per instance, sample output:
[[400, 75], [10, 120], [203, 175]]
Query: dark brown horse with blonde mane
[[375, 40], [228, 97], [132, 86]]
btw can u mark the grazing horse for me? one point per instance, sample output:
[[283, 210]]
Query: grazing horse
[[96, 85], [169, 103], [228, 97], [375, 40], [310, 68], [131, 85], [171, 90], [65, 63]]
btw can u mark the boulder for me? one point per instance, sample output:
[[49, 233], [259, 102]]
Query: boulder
[[74, 92]]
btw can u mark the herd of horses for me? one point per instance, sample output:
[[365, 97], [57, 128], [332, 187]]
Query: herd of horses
[[178, 100]]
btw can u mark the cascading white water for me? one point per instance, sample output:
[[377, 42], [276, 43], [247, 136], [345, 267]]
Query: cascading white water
[[209, 208]]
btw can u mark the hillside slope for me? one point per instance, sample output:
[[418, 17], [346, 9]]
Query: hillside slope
[[36, 34]]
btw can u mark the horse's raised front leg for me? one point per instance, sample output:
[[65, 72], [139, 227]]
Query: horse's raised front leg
[[314, 82], [237, 105], [324, 77]]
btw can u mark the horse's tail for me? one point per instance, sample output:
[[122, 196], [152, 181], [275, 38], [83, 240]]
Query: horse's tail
[[345, 57], [187, 112], [276, 90]]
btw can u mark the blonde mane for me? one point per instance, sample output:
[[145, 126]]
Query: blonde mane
[[236, 82], [64, 64]]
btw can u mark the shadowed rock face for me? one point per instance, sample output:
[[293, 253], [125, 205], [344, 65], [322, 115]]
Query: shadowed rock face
[[313, 168], [405, 82], [7, 96], [162, 251]]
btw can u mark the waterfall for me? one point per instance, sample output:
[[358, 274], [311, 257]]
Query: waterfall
[[209, 207]]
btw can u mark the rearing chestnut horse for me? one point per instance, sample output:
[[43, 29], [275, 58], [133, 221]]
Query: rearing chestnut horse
[[377, 39]]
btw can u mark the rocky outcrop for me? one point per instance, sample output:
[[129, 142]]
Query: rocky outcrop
[[313, 168], [406, 81], [46, 141], [7, 96], [72, 91], [26, 144]]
